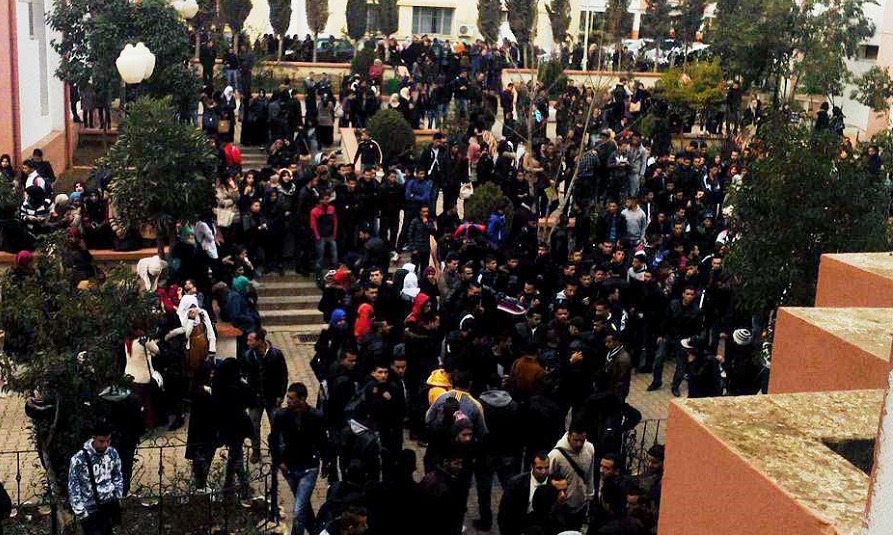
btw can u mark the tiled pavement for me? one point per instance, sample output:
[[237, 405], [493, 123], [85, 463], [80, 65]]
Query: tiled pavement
[[15, 435]]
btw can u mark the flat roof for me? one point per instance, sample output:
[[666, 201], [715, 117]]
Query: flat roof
[[878, 263], [868, 328], [782, 436]]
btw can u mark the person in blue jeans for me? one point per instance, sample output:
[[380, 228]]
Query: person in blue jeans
[[298, 445]]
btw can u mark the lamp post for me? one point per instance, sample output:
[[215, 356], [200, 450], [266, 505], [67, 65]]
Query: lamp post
[[188, 9], [135, 64]]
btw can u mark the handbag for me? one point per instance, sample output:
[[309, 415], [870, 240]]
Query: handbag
[[224, 217], [110, 509], [156, 376], [223, 126], [466, 191], [635, 106]]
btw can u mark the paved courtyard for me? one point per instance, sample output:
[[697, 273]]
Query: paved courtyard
[[15, 436]]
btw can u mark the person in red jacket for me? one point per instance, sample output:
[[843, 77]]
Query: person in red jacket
[[324, 224]]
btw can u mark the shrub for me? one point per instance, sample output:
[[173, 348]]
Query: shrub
[[392, 132], [484, 201], [551, 74], [361, 62]]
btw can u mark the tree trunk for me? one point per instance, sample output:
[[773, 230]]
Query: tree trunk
[[656, 54], [236, 40], [159, 243], [281, 44], [315, 35], [198, 43]]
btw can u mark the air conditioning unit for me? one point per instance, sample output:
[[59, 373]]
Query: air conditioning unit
[[465, 30]]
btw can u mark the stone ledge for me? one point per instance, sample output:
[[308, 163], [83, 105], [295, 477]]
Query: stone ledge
[[827, 349]]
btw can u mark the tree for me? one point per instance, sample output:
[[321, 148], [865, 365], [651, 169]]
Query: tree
[[698, 89], [657, 24], [317, 17], [162, 170], [64, 342], [753, 37], [559, 12], [394, 135], [616, 20], [234, 13], [94, 31], [688, 24], [387, 17], [840, 207], [825, 37], [489, 19], [522, 22], [484, 201], [356, 13], [280, 18], [874, 89]]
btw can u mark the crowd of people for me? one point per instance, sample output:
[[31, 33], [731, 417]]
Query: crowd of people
[[500, 345]]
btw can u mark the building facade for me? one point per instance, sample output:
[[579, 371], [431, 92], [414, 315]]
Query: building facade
[[33, 113], [446, 19]]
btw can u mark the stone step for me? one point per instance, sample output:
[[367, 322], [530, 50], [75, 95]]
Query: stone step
[[291, 317], [288, 276], [304, 331], [271, 289], [283, 302]]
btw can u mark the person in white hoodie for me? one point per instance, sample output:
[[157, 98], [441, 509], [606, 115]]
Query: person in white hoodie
[[573, 458]]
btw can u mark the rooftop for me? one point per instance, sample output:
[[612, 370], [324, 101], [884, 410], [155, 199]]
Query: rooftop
[[870, 329], [784, 438]]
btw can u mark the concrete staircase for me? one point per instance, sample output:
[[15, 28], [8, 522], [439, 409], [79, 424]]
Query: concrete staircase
[[288, 303], [253, 158]]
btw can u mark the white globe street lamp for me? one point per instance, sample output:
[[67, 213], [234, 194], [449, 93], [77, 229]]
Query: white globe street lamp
[[186, 8], [135, 63]]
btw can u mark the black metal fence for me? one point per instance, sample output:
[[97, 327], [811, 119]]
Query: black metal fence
[[638, 440], [163, 497]]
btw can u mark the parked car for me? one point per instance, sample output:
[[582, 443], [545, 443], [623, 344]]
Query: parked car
[[334, 50]]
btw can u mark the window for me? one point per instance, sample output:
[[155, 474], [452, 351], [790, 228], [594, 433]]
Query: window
[[869, 52], [438, 20]]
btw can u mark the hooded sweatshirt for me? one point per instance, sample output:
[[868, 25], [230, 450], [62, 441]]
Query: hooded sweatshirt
[[106, 473], [578, 490], [439, 382]]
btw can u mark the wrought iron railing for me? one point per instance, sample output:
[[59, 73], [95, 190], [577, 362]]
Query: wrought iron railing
[[638, 440], [163, 497]]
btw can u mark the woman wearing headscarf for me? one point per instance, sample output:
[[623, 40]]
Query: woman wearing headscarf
[[331, 341], [226, 109], [428, 283], [7, 171], [274, 212], [254, 126], [325, 122]]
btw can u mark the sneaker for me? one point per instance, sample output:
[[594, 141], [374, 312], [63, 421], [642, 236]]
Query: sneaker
[[675, 391], [654, 386]]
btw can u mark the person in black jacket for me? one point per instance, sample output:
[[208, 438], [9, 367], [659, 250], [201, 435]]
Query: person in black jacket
[[264, 369], [298, 445], [517, 496], [231, 399]]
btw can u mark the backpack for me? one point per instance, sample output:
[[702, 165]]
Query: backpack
[[209, 122]]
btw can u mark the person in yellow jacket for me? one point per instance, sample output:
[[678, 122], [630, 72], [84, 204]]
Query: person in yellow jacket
[[438, 383]]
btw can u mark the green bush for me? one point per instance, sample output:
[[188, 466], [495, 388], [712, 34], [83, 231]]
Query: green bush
[[551, 74], [393, 134], [484, 201], [390, 86], [362, 61]]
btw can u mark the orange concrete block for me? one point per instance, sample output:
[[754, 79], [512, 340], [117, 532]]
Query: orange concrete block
[[758, 464], [825, 349], [855, 280]]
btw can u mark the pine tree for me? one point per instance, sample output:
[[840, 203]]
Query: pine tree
[[280, 17], [317, 17], [387, 17], [489, 19], [559, 19], [235, 12], [357, 20]]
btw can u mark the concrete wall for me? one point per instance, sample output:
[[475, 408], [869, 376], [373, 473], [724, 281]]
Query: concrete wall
[[820, 350], [855, 280], [709, 489]]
